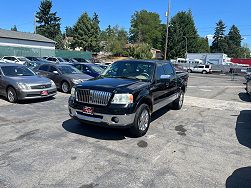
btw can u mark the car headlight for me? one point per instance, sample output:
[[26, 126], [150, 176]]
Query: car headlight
[[77, 81], [23, 86], [122, 99], [52, 83], [73, 90]]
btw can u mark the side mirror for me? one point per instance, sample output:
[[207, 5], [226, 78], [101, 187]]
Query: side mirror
[[55, 72]]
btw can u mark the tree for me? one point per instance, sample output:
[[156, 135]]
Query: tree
[[59, 42], [219, 44], [141, 51], [69, 31], [114, 39], [86, 33], [48, 22], [146, 28], [14, 28], [203, 45], [234, 42], [182, 28]]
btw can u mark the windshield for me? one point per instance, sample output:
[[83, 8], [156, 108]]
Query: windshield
[[130, 69], [67, 69], [14, 71], [22, 59], [97, 69]]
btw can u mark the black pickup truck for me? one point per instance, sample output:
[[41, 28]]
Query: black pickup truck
[[127, 93]]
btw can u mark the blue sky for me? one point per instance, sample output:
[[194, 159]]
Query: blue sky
[[206, 12]]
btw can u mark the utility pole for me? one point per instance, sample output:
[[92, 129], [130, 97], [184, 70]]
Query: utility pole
[[167, 26]]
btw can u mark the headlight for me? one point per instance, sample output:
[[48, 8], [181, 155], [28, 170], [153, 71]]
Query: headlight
[[73, 90], [23, 86], [77, 81], [53, 84], [122, 99]]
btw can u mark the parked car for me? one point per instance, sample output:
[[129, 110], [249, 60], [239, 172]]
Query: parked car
[[81, 60], [15, 59], [204, 69], [65, 76], [36, 59], [248, 83], [89, 68], [33, 64], [102, 65], [17, 82], [127, 93], [55, 59]]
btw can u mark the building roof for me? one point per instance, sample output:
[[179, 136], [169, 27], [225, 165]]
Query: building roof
[[24, 36]]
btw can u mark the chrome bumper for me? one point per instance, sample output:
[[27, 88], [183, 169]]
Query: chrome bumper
[[124, 120]]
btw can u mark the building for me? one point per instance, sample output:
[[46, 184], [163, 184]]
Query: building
[[25, 40], [209, 58]]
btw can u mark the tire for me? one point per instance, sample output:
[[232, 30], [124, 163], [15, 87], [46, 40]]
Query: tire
[[178, 103], [141, 121], [11, 95], [189, 70], [65, 87], [204, 72]]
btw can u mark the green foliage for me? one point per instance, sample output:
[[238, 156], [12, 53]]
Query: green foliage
[[203, 45], [86, 33], [182, 26], [114, 40], [69, 31], [48, 22], [59, 42], [219, 44], [146, 27], [140, 51], [14, 28]]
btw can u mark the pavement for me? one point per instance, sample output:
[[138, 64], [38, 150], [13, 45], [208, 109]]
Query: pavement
[[206, 144]]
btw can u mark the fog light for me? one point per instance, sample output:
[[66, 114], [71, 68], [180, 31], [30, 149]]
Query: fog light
[[115, 119]]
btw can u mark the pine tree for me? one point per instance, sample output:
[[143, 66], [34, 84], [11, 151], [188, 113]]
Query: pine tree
[[86, 33], [234, 42], [182, 27], [48, 22], [219, 44], [14, 28]]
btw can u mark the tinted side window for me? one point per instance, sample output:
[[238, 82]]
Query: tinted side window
[[159, 71], [79, 67], [168, 69], [202, 67], [207, 66], [44, 68], [53, 69]]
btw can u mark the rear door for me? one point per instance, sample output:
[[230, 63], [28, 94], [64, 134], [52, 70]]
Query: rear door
[[53, 76], [172, 87]]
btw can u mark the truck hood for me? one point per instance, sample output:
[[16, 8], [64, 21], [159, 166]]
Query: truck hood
[[119, 85], [31, 80]]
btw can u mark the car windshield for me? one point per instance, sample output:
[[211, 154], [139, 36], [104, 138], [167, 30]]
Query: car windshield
[[67, 69], [130, 69], [22, 59], [97, 69], [14, 71]]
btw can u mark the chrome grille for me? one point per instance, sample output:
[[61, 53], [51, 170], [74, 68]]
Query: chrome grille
[[93, 97], [44, 86]]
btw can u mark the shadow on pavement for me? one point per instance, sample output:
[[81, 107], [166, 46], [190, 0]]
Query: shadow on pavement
[[245, 97], [241, 178], [243, 128], [159, 113], [102, 133]]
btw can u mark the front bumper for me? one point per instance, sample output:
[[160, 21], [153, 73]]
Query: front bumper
[[101, 119], [35, 93]]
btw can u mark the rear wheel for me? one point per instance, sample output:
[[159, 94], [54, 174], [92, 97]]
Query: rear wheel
[[65, 87], [141, 121], [204, 72], [178, 103], [11, 95], [189, 70]]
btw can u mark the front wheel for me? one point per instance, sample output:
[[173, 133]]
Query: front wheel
[[189, 70], [65, 87], [204, 72], [11, 95], [141, 121]]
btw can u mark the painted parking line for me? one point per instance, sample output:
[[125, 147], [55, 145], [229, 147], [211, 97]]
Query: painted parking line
[[237, 86]]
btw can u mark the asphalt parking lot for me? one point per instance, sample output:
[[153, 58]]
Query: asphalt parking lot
[[206, 144]]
